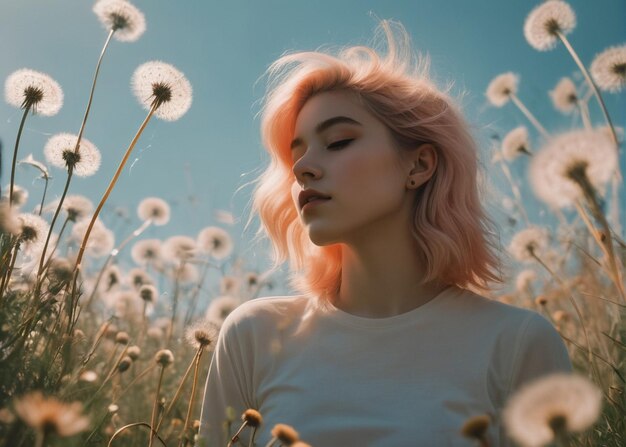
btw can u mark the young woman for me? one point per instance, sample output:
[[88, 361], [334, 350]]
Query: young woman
[[372, 195]]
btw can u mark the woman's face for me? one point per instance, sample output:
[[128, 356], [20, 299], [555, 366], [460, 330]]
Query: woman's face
[[344, 152]]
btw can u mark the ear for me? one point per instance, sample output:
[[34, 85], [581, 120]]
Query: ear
[[424, 162]]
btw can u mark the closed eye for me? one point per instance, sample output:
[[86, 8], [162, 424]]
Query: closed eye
[[341, 143]]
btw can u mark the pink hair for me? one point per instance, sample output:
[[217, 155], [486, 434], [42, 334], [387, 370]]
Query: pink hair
[[450, 224]]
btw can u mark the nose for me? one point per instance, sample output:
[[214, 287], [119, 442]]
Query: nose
[[305, 167]]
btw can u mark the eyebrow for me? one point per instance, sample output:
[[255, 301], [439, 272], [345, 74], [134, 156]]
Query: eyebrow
[[321, 127]]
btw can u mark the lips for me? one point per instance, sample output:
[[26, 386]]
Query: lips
[[310, 194]]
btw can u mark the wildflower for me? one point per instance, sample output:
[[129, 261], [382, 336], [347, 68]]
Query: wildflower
[[476, 427], [120, 16], [122, 338], [609, 69], [215, 241], [146, 251], [179, 248], [20, 196], [564, 95], [543, 24], [138, 277], [285, 434], [220, 308], [30, 89], [155, 209], [112, 278], [524, 279], [161, 86], [515, 143], [50, 415], [501, 88], [101, 240], [77, 207], [164, 357], [133, 352], [571, 161], [148, 293], [33, 231], [9, 223], [59, 152], [60, 270], [556, 404], [252, 417], [528, 243], [202, 334], [124, 363]]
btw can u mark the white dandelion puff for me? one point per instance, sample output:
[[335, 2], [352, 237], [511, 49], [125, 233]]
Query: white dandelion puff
[[161, 85], [76, 206], [609, 69], [146, 251], [524, 279], [20, 196], [186, 273], [179, 248], [501, 88], [528, 243], [545, 21], [138, 277], [202, 334], [515, 143], [220, 307], [215, 241], [564, 96], [101, 240], [9, 223], [555, 404], [31, 89], [59, 152], [556, 171], [155, 209], [229, 285], [127, 22], [33, 232]]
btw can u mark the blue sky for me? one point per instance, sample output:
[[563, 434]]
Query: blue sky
[[199, 162]]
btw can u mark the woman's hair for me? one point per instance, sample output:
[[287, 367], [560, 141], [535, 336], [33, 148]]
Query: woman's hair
[[449, 224]]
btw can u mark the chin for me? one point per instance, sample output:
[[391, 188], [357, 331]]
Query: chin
[[321, 237]]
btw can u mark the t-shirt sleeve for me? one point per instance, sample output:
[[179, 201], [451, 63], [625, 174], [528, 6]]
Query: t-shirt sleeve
[[227, 385], [540, 351]]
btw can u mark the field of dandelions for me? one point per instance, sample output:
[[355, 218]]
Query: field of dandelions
[[96, 352]]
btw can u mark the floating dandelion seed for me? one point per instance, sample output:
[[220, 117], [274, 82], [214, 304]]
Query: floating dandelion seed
[[557, 170], [179, 248], [202, 334], [49, 415], [501, 88], [59, 152], [609, 69], [146, 251], [33, 231], [37, 91], [127, 22], [155, 209], [160, 85], [101, 241], [543, 23], [516, 143], [215, 241], [556, 404], [564, 96], [220, 307], [528, 242]]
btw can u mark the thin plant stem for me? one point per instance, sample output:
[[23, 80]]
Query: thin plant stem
[[193, 393], [17, 145], [584, 114], [136, 424], [530, 116], [7, 277], [155, 406], [515, 189], [43, 197], [235, 437]]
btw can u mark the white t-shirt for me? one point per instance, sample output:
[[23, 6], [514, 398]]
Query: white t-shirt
[[343, 380]]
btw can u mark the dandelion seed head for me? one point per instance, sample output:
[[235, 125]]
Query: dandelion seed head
[[122, 338], [229, 285], [202, 334], [124, 364], [49, 414], [77, 207], [148, 293], [38, 91], [101, 239], [179, 248], [541, 300], [545, 21], [59, 152], [220, 307], [569, 398], [128, 22], [9, 223], [159, 84], [564, 96], [146, 251], [111, 279], [476, 426], [164, 357], [285, 434], [155, 209], [133, 352], [33, 231], [528, 242], [608, 69], [138, 277], [61, 270], [126, 305], [515, 142], [572, 155], [252, 417], [154, 333], [20, 195], [524, 279], [501, 88], [215, 241]]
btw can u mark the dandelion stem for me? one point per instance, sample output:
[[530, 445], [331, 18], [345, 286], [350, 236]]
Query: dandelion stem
[[530, 116], [7, 277], [584, 114], [515, 189], [235, 437], [155, 406], [193, 393], [17, 145], [43, 197], [136, 424]]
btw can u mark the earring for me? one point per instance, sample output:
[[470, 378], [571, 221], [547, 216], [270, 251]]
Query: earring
[[412, 182]]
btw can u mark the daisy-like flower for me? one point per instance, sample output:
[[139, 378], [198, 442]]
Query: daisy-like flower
[[155, 209], [162, 86], [220, 307], [572, 159], [564, 96], [516, 143], [543, 24], [50, 415], [33, 231], [120, 16], [501, 88], [179, 248], [215, 241], [609, 69], [202, 334], [59, 152], [146, 251], [553, 405], [101, 240], [37, 91], [528, 242]]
